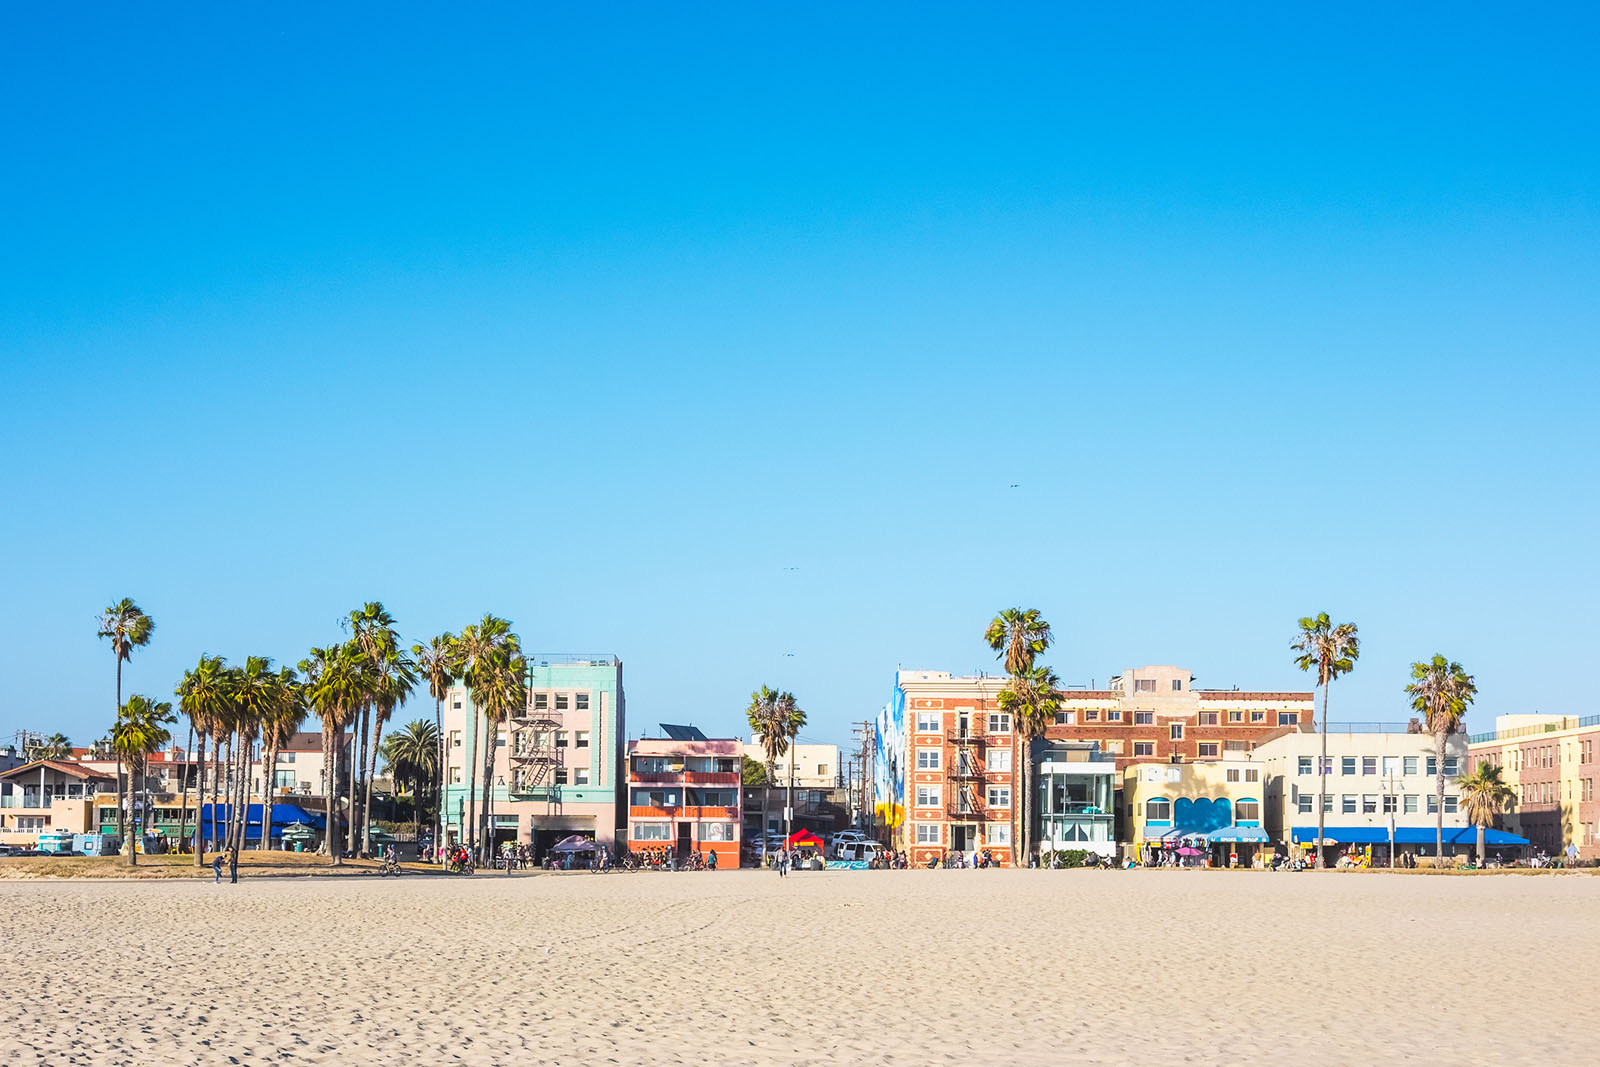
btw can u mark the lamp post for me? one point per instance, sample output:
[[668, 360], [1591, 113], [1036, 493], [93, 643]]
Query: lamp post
[[1391, 800]]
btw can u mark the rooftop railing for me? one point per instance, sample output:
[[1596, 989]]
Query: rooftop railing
[[1566, 722], [568, 659]]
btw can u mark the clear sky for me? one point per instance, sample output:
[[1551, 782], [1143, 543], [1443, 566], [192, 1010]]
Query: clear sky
[[785, 344]]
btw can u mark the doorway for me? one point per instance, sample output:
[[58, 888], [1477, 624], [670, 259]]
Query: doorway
[[963, 838], [683, 841]]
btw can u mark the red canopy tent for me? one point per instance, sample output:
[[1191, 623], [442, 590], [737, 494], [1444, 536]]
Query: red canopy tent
[[802, 839]]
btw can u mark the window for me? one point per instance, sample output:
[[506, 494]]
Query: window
[[580, 701], [1236, 716], [456, 705], [1144, 718], [929, 796], [1433, 804], [1207, 750], [455, 775], [1144, 685], [1066, 718], [1158, 810], [580, 776], [561, 776], [1369, 764], [561, 702], [1451, 766], [1114, 748], [1144, 748], [1258, 716], [928, 833], [1233, 774], [1175, 731], [1410, 764], [999, 723], [1327, 803], [1433, 766], [1252, 774], [561, 739], [1303, 765], [1113, 716], [929, 722], [1089, 716], [1288, 718], [1347, 765], [1237, 746], [1369, 804], [1304, 804], [1247, 811], [652, 831], [999, 796], [930, 759], [1389, 806], [455, 738], [999, 835], [998, 759], [1391, 766], [580, 739], [1177, 685], [1347, 804], [1450, 805], [721, 832], [499, 739], [541, 702], [1208, 718]]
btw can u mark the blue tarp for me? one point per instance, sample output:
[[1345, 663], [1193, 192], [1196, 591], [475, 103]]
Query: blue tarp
[[282, 815], [1247, 834], [1405, 835]]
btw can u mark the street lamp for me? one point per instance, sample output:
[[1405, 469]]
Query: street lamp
[[1391, 801]]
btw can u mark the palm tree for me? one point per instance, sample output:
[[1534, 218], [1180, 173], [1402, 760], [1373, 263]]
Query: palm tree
[[1483, 796], [436, 665], [279, 725], [413, 755], [1019, 636], [777, 719], [140, 728], [494, 671], [255, 693], [56, 746], [200, 697], [1440, 690], [372, 630], [334, 688], [392, 679], [1032, 700], [1330, 650], [127, 627]]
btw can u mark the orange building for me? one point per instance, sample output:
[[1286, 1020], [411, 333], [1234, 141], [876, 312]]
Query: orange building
[[685, 794]]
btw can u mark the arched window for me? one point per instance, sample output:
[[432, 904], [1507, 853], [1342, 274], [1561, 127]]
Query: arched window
[[1158, 810]]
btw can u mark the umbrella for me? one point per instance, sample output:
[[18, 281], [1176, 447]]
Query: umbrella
[[1187, 851], [575, 843], [299, 831], [802, 839]]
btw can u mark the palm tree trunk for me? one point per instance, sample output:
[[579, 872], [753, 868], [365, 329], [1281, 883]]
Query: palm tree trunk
[[122, 823], [216, 788], [472, 794], [133, 800], [1022, 807], [269, 788], [199, 799], [1438, 751], [230, 783], [183, 804], [1480, 845], [335, 854], [485, 838], [438, 723], [372, 767], [1322, 773]]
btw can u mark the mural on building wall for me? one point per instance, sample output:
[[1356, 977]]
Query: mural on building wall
[[889, 775], [1201, 815]]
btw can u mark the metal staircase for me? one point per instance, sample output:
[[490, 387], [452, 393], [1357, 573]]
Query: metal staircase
[[534, 757]]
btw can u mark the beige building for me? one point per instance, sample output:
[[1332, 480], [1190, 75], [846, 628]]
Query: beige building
[[1550, 763], [814, 766]]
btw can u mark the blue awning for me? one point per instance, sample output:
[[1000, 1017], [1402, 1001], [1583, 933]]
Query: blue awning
[[1404, 835], [1248, 834], [282, 815]]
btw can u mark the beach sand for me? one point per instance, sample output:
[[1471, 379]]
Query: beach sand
[[901, 967]]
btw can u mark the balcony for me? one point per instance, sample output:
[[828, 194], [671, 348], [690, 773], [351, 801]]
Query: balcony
[[972, 735], [966, 810], [722, 778]]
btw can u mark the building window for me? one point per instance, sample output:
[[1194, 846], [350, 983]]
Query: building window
[[1158, 810], [1207, 718], [999, 723], [928, 796], [999, 835], [929, 722], [1389, 805], [1177, 685], [1238, 746], [1288, 718], [455, 738], [1144, 718], [1347, 804], [1369, 804], [1327, 803], [541, 702], [1247, 811], [580, 739], [1451, 766], [1175, 731], [1450, 805], [930, 759], [1252, 774], [1304, 803], [1258, 716], [580, 776], [1114, 748], [561, 776], [1433, 766], [1369, 764], [1144, 685], [1207, 750], [1347, 765], [1088, 716], [561, 739], [998, 760], [580, 701], [1113, 716], [1236, 716], [455, 775], [1433, 804], [1303, 765], [928, 833], [1233, 774], [652, 831], [999, 796], [561, 702], [1410, 763], [1066, 718], [1144, 748], [1391, 766]]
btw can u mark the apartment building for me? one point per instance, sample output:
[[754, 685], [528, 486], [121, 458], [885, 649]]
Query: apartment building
[[1549, 762], [685, 794], [1211, 809]]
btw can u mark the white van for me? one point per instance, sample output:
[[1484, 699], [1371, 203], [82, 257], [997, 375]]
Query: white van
[[857, 850]]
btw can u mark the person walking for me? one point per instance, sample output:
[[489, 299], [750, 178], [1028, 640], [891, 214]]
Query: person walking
[[783, 863]]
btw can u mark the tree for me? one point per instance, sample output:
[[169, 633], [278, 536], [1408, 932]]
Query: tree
[[389, 671], [436, 665], [141, 727], [495, 673], [56, 746], [777, 720], [255, 692], [334, 687], [127, 627], [1032, 700], [201, 697], [755, 774], [1483, 796], [1018, 637], [1440, 690], [412, 755], [1331, 651], [279, 724]]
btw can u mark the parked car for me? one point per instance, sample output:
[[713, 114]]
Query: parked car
[[11, 850], [845, 836], [857, 850]]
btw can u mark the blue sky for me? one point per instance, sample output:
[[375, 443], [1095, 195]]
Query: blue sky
[[604, 319]]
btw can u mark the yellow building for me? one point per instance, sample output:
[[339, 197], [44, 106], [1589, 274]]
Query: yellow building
[[1212, 808], [1550, 762]]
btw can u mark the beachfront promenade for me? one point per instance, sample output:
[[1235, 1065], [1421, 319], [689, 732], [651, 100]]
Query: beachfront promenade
[[910, 967]]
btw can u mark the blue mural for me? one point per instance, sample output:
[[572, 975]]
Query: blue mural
[[888, 767], [1190, 816]]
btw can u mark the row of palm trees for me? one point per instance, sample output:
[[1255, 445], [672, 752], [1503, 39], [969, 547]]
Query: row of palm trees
[[1440, 690], [352, 686]]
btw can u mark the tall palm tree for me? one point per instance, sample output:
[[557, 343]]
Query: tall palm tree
[[392, 678], [200, 697], [256, 691], [1440, 690], [279, 725], [436, 665], [1330, 650], [334, 688], [127, 627], [777, 719], [412, 754], [372, 630], [56, 746], [1483, 796], [1032, 700], [495, 673], [141, 727], [1018, 637]]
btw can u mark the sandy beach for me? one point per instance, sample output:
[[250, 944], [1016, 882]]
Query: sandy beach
[[838, 967]]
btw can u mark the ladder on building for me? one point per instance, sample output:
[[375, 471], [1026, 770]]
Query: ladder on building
[[534, 757]]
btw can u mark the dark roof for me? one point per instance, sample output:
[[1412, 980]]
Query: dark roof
[[682, 733]]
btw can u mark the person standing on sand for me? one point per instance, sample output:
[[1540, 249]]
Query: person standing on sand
[[216, 866]]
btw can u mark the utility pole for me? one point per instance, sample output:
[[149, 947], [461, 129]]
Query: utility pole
[[865, 734]]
